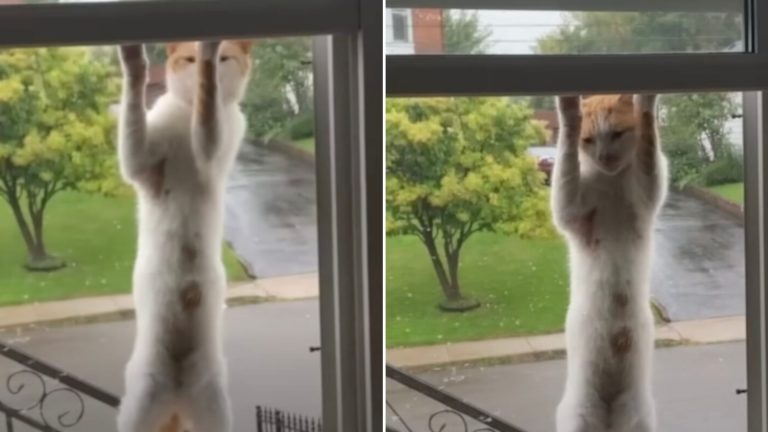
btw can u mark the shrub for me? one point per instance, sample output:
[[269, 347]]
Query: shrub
[[728, 168], [302, 127]]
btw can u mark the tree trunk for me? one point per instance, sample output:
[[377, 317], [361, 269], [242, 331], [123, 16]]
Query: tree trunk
[[37, 256], [18, 214], [437, 263], [453, 270], [39, 253]]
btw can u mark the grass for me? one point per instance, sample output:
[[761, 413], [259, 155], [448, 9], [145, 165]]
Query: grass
[[521, 284], [307, 144], [95, 235], [733, 192]]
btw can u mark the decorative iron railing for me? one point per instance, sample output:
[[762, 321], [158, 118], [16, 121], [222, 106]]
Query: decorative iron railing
[[274, 420], [454, 416], [35, 387]]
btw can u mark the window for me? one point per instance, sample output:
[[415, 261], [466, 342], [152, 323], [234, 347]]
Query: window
[[400, 26], [312, 128], [501, 359]]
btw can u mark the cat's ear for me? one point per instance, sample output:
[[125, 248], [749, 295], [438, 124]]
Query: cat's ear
[[171, 48], [625, 98], [245, 45]]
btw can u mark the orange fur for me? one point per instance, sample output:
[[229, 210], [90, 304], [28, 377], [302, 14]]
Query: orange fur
[[618, 109], [184, 54], [173, 425]]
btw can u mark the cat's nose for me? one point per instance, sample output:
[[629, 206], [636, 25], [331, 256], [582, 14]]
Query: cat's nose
[[608, 158]]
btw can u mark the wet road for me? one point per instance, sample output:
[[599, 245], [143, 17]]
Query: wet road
[[694, 388], [266, 345], [271, 213], [698, 269]]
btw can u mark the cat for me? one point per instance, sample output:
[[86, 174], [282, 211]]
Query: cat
[[177, 157], [609, 182]]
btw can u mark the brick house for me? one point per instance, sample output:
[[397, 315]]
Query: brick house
[[414, 31], [550, 121]]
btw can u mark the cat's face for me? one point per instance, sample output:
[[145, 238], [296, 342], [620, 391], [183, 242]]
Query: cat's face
[[234, 64], [608, 132]]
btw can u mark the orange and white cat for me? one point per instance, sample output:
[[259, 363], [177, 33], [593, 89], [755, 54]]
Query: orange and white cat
[[177, 156], [609, 182]]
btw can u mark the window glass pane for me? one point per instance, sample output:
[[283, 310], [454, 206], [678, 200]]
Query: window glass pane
[[68, 232], [478, 279], [466, 31]]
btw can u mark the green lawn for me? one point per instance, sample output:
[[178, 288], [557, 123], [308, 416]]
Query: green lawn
[[307, 144], [522, 285], [733, 192], [95, 235]]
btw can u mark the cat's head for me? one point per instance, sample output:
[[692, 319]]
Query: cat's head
[[234, 66], [609, 129]]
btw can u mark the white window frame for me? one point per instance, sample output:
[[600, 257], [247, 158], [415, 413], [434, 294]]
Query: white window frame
[[406, 13], [348, 152], [484, 75]]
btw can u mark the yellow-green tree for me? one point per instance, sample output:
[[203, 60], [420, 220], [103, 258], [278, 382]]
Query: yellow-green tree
[[457, 166], [56, 134]]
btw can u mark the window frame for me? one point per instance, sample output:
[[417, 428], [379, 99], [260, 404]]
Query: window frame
[[346, 147], [406, 15], [444, 75]]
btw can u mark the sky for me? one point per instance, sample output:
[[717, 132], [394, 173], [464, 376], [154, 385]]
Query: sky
[[516, 32]]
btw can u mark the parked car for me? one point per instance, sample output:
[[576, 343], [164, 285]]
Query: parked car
[[545, 159]]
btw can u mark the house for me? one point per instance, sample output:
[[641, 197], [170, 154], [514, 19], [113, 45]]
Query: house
[[414, 31], [548, 118]]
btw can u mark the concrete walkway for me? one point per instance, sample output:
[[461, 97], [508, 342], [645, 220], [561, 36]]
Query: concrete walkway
[[700, 331], [282, 288]]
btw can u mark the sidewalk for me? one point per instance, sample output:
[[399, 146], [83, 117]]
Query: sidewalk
[[280, 288], [696, 332]]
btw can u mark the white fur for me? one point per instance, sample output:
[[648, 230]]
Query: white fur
[[188, 212], [626, 202]]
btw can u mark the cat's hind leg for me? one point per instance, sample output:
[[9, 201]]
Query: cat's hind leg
[[146, 406], [575, 416], [634, 414], [208, 407]]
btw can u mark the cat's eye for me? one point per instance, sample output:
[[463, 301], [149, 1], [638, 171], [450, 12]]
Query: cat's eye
[[588, 140], [189, 59], [224, 58], [617, 134]]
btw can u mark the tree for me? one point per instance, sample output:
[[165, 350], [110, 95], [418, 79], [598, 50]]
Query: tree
[[458, 166], [280, 89], [692, 124], [55, 134], [463, 34]]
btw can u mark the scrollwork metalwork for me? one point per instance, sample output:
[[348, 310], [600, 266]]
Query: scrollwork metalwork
[[439, 421], [19, 383]]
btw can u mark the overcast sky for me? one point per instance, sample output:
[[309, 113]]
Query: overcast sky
[[516, 32]]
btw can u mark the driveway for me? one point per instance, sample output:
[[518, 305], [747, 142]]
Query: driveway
[[698, 268], [266, 345], [694, 388], [271, 213]]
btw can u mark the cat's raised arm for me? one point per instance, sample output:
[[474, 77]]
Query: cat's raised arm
[[206, 122], [566, 199], [649, 152], [132, 127]]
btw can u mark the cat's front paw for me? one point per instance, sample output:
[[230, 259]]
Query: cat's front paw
[[134, 62], [645, 102], [570, 109], [209, 49]]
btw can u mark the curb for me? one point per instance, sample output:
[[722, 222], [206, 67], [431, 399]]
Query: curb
[[288, 148], [733, 209], [89, 309], [551, 346]]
